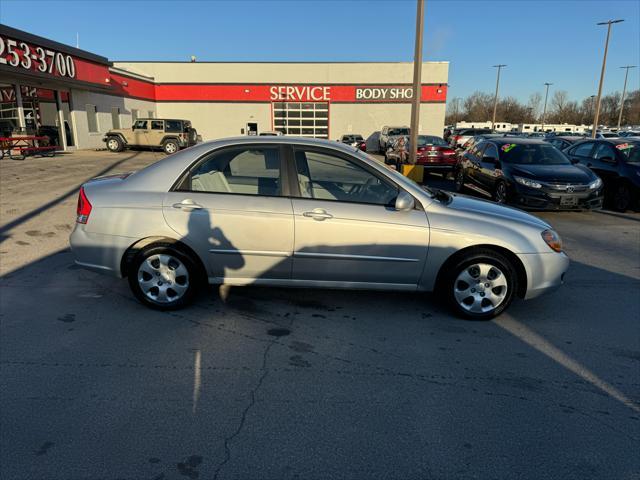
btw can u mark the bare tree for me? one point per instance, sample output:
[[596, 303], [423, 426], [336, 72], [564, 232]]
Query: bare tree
[[535, 107]]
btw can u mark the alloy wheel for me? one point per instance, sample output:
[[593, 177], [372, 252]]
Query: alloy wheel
[[113, 144], [501, 193], [480, 288], [163, 278]]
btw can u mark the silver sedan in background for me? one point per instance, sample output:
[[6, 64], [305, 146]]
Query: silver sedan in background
[[300, 212]]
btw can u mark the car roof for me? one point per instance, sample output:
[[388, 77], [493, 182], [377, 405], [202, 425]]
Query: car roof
[[517, 141], [568, 138]]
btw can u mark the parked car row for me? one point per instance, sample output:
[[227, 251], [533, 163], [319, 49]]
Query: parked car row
[[557, 172]]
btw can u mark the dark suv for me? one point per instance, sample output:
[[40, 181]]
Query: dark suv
[[529, 173], [617, 162]]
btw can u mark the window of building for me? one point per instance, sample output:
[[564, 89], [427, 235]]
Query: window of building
[[92, 118], [254, 171], [134, 114], [288, 117], [157, 125], [115, 117]]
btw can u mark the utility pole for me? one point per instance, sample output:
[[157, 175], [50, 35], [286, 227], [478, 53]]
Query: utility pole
[[604, 65], [624, 91], [417, 83], [544, 111], [495, 98]]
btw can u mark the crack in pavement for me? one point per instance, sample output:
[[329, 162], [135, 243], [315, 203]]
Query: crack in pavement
[[243, 418]]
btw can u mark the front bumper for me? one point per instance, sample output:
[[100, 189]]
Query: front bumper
[[538, 199], [545, 272]]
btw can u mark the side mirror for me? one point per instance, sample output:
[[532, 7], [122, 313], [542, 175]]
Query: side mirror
[[133, 127], [405, 202], [574, 160]]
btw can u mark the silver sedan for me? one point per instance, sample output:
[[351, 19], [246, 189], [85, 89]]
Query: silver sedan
[[307, 213]]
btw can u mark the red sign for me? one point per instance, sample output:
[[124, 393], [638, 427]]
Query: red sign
[[34, 58]]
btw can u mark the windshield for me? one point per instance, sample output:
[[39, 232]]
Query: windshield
[[398, 131], [431, 140], [532, 154], [631, 151]]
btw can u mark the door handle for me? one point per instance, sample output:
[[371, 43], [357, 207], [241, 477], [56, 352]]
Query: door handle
[[318, 214], [187, 204]]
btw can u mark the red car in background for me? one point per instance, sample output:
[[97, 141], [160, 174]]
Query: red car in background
[[433, 153]]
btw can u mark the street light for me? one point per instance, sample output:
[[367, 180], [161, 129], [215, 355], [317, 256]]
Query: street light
[[624, 91], [417, 84], [544, 111], [495, 98], [604, 65]]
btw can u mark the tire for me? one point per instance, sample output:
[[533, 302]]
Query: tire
[[114, 144], [500, 193], [496, 284], [621, 197], [460, 180], [170, 146], [157, 271]]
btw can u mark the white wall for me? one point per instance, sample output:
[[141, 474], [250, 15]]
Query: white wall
[[218, 120], [104, 104]]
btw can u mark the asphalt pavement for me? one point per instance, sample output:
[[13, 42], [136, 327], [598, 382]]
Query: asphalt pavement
[[267, 383]]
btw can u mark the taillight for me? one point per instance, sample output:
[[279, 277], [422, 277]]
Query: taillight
[[84, 207]]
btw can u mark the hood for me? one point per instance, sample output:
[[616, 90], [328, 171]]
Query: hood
[[554, 173], [485, 207]]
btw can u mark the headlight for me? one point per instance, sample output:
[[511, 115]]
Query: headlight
[[552, 239], [597, 183], [527, 182]]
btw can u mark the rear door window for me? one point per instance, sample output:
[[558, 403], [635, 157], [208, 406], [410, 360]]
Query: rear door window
[[582, 150], [244, 171]]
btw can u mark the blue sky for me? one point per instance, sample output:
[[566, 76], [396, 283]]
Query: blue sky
[[540, 41]]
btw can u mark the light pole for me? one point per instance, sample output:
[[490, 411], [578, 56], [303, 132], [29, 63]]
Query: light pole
[[604, 65], [417, 84], [495, 98], [544, 111], [624, 91]]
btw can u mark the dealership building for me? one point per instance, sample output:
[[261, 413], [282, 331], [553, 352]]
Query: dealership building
[[45, 85]]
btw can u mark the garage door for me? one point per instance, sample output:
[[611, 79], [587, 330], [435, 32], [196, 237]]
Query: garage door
[[302, 119]]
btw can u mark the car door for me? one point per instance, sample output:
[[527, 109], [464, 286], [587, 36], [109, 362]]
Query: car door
[[604, 162], [474, 167], [140, 132], [156, 132], [346, 229], [488, 172], [233, 208], [581, 152]]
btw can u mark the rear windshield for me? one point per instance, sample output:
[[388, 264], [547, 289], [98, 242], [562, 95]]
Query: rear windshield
[[398, 131], [536, 154], [631, 151], [431, 140]]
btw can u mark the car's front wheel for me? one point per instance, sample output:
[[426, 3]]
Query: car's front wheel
[[170, 146], [480, 285], [460, 180], [500, 193], [114, 144], [163, 277]]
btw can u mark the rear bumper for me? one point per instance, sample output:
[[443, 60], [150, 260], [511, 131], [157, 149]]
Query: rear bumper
[[545, 272], [98, 252]]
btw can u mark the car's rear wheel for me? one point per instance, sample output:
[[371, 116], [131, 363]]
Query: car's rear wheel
[[500, 193], [163, 277], [170, 146], [480, 285], [114, 144], [621, 199]]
